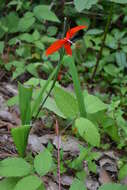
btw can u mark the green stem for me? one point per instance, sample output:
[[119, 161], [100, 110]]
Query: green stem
[[103, 42], [77, 87], [50, 90], [56, 75]]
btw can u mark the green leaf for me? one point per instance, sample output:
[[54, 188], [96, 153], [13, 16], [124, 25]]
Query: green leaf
[[66, 102], [94, 31], [1, 46], [8, 184], [93, 104], [26, 23], [119, 1], [121, 59], [14, 167], [12, 21], [77, 184], [20, 138], [44, 12], [111, 70], [123, 172], [25, 96], [29, 183], [51, 105], [84, 4], [113, 186], [52, 30], [88, 131], [43, 162]]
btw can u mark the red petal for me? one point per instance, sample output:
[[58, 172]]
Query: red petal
[[55, 46], [67, 47], [72, 31]]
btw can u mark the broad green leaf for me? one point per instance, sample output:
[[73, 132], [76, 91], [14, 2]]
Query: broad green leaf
[[1, 46], [77, 184], [52, 30], [8, 184], [20, 138], [111, 70], [30, 183], [113, 186], [26, 23], [25, 96], [94, 31], [18, 72], [50, 104], [88, 131], [66, 102], [123, 172], [121, 59], [84, 4], [44, 12], [93, 104], [32, 69], [119, 1], [12, 21], [43, 162], [26, 37], [14, 167]]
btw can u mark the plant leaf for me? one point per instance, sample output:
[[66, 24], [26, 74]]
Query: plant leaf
[[14, 167], [84, 4], [8, 184], [20, 138], [93, 104], [123, 172], [43, 162], [88, 131], [119, 1], [77, 184], [29, 183], [113, 186], [66, 102], [25, 96], [43, 12]]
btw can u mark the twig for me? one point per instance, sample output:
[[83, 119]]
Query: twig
[[58, 153], [103, 43]]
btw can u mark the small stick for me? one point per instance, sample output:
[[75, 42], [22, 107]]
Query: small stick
[[58, 153]]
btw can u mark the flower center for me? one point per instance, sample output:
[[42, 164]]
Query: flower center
[[69, 41]]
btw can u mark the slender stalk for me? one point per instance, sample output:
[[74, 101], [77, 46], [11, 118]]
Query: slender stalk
[[56, 75], [49, 92], [103, 43], [58, 154], [77, 87]]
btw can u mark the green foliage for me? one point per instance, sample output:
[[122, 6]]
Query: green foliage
[[93, 104], [8, 184], [66, 102], [84, 4], [43, 162], [119, 1], [113, 186], [123, 172], [88, 131], [44, 12], [14, 167], [20, 138], [77, 184], [30, 182], [25, 96]]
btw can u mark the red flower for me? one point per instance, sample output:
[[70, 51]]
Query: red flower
[[64, 42]]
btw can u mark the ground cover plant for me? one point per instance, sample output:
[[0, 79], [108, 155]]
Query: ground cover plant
[[63, 120]]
